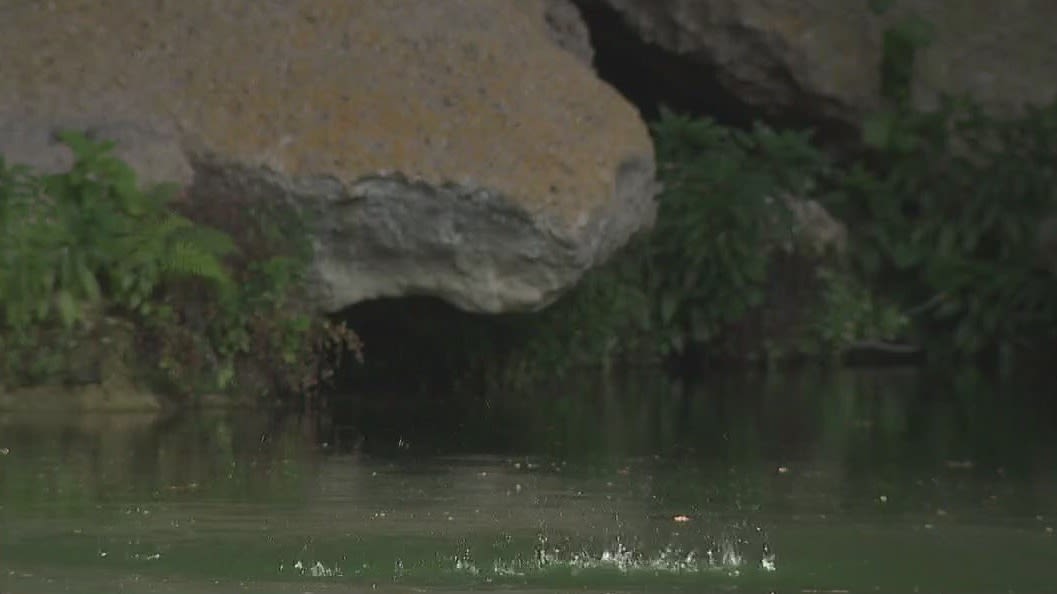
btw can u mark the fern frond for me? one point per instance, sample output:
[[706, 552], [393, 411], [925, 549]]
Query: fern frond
[[186, 258], [209, 240], [169, 227]]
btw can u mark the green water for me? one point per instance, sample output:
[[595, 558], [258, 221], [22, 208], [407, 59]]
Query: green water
[[848, 482]]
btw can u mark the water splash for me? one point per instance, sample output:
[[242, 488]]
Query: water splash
[[464, 563], [317, 569], [724, 555], [767, 561], [552, 555]]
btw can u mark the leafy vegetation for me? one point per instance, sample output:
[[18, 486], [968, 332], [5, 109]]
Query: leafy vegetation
[[944, 210], [730, 271], [87, 258], [946, 207], [725, 217]]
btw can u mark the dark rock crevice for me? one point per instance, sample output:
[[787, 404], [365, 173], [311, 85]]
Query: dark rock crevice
[[650, 77]]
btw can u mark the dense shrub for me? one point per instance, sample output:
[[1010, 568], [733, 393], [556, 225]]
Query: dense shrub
[[722, 217], [946, 207], [83, 248]]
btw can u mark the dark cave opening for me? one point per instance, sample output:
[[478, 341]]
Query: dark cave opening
[[416, 346]]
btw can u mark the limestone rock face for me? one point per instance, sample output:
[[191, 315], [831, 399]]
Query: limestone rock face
[[443, 148], [567, 29], [822, 56]]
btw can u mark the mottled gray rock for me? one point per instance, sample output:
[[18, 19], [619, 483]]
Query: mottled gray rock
[[152, 152], [567, 29], [387, 235], [442, 148], [475, 247], [821, 57], [814, 228]]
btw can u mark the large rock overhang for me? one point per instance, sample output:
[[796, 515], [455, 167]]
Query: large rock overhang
[[447, 149]]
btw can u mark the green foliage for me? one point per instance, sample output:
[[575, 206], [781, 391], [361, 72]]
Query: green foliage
[[260, 337], [86, 245], [898, 57], [85, 242], [849, 312], [725, 269], [948, 207], [899, 48], [720, 216]]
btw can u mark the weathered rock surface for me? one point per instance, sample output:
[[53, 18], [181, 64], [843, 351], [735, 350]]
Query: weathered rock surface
[[440, 148], [821, 57], [567, 29], [814, 228]]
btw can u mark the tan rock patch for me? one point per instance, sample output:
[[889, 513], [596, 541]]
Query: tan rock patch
[[441, 91]]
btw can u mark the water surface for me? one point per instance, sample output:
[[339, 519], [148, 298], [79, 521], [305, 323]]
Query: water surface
[[848, 482]]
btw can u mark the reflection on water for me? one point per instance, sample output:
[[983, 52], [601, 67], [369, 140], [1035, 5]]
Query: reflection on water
[[858, 481]]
